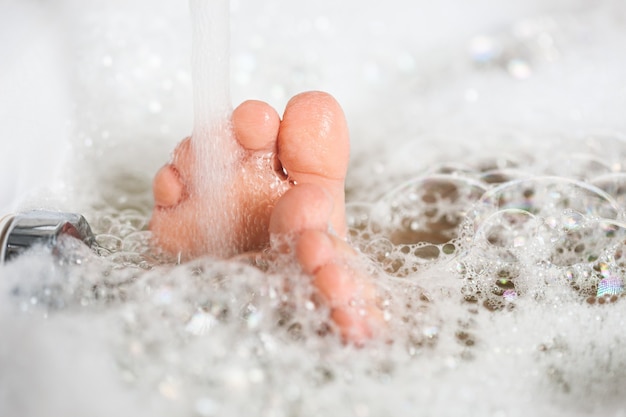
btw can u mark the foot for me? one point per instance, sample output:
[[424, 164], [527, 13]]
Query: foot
[[310, 145], [304, 212], [289, 179]]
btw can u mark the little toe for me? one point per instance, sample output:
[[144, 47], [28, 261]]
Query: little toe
[[314, 147], [255, 124], [167, 187]]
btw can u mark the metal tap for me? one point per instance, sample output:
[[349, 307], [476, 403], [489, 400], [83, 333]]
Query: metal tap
[[18, 232]]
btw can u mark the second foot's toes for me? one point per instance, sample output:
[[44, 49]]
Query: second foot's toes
[[348, 290], [306, 206]]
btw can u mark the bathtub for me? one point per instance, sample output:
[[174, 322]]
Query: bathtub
[[515, 107]]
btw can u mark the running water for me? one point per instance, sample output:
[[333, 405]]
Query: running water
[[210, 67], [214, 146], [481, 196]]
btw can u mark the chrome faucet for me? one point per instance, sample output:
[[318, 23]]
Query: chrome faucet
[[18, 232]]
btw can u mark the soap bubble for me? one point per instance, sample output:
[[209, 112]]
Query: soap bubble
[[484, 49], [614, 185], [547, 197], [519, 68], [428, 209]]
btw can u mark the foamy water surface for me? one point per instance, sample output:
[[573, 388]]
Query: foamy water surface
[[486, 196]]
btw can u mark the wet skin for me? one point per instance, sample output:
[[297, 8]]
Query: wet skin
[[299, 191]]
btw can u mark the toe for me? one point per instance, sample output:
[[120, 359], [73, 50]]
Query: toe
[[169, 184], [307, 206], [313, 137], [313, 250], [316, 248], [167, 187], [314, 147], [348, 291], [255, 124]]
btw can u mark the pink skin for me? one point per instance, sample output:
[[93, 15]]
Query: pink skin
[[310, 144]]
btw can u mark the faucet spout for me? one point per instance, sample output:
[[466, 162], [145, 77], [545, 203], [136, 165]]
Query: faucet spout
[[19, 232]]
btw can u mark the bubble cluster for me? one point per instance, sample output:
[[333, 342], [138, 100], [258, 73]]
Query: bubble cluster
[[415, 223], [449, 249]]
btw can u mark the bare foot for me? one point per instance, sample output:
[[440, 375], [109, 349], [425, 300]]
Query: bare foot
[[304, 211], [292, 172], [310, 145]]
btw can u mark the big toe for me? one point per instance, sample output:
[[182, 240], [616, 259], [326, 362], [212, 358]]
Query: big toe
[[314, 147]]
